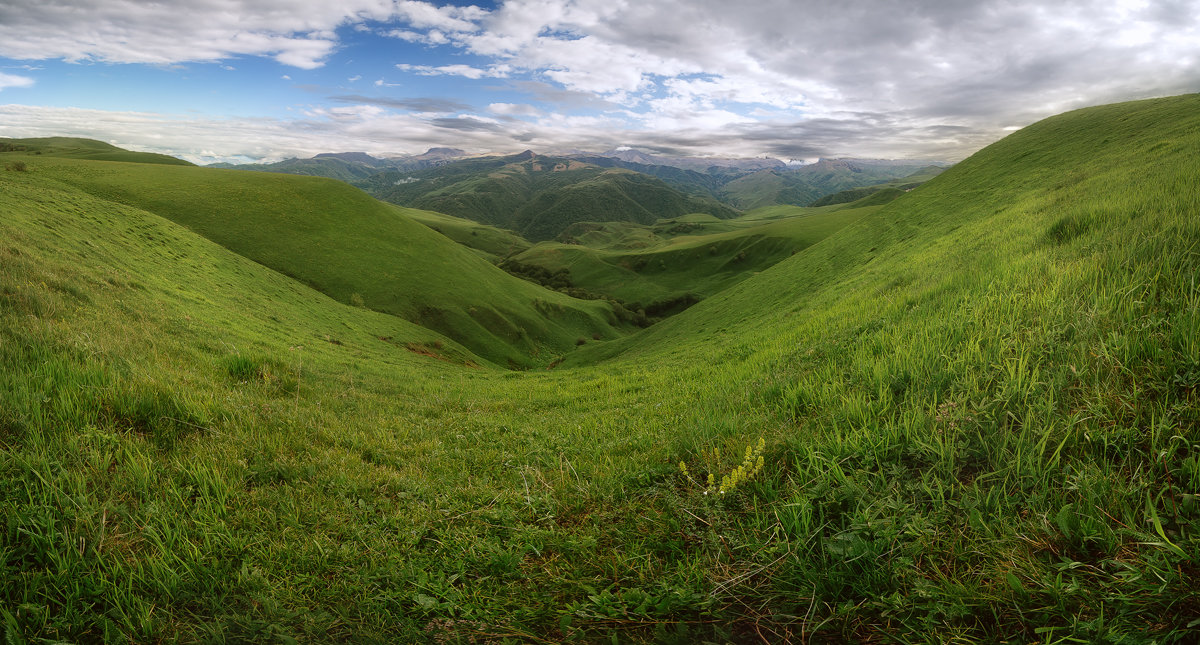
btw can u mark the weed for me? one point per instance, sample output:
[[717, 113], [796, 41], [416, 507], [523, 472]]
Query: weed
[[751, 465]]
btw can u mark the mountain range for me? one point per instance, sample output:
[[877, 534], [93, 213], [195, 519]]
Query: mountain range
[[539, 196]]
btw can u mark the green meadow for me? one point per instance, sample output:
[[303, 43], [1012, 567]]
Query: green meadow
[[679, 261], [970, 414]]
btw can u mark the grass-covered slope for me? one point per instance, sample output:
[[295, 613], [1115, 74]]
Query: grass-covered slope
[[75, 148], [347, 170], [989, 393], [801, 186], [537, 196], [884, 192], [355, 249], [978, 406], [679, 261], [490, 242]]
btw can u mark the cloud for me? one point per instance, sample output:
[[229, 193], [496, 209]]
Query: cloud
[[932, 67], [466, 71], [413, 104], [12, 80], [793, 78], [512, 109], [299, 34], [447, 18], [564, 99], [467, 123]]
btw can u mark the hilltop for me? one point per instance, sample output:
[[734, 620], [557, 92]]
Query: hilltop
[[76, 148], [969, 414], [350, 166]]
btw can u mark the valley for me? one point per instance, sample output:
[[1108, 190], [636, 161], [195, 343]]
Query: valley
[[618, 401]]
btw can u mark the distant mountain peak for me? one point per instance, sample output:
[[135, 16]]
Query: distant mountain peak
[[441, 153], [360, 157]]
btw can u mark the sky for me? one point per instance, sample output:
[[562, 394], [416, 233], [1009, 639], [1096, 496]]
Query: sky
[[263, 80]]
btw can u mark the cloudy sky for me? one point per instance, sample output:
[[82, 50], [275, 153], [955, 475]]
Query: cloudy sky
[[213, 80]]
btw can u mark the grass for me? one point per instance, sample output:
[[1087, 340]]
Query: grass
[[680, 261], [491, 243], [537, 196], [74, 148], [978, 406], [326, 234]]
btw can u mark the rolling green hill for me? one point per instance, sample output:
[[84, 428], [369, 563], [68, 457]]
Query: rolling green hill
[[357, 250], [537, 196], [666, 268], [883, 192], [804, 185], [349, 166], [490, 242], [346, 170], [968, 416], [74, 148]]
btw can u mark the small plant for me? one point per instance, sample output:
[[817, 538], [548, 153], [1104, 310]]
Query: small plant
[[752, 464], [16, 166]]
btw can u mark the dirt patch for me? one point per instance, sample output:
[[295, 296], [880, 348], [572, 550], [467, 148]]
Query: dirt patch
[[425, 350]]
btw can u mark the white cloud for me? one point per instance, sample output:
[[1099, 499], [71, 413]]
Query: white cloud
[[406, 35], [512, 109], [772, 75], [356, 77], [353, 127], [465, 71], [297, 33], [925, 67], [450, 18], [12, 80]]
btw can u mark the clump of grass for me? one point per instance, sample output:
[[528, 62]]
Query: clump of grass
[[269, 372], [751, 465]]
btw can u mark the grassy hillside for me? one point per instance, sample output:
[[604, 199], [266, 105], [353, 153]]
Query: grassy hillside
[[884, 192], [705, 183], [977, 405], [490, 242], [347, 170], [806, 184], [678, 262], [355, 249], [74, 148], [990, 392], [537, 196]]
